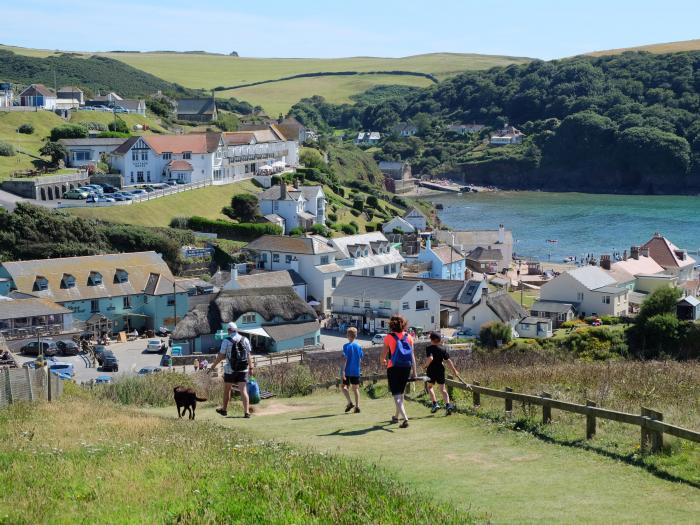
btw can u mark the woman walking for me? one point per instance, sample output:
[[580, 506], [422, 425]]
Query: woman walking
[[400, 362]]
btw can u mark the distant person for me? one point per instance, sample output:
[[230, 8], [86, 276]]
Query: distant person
[[400, 362], [351, 372], [436, 356], [196, 364], [235, 349]]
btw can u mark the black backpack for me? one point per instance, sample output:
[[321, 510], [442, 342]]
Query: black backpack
[[238, 358]]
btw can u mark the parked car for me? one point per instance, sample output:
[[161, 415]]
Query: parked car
[[463, 333], [60, 367], [120, 197], [154, 346], [171, 182], [165, 360], [107, 188], [75, 194], [162, 332], [181, 181], [138, 192], [149, 189], [100, 351], [110, 363], [68, 347], [378, 339], [95, 187], [147, 370], [103, 380], [40, 347], [99, 198]]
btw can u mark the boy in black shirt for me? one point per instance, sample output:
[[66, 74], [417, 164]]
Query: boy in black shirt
[[435, 370]]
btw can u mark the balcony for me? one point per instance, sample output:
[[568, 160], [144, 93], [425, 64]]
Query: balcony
[[361, 310]]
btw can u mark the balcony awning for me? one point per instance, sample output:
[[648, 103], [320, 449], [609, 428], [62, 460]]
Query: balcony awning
[[254, 331]]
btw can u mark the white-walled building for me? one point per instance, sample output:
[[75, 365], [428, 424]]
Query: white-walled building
[[369, 302], [248, 151], [38, 96], [368, 254], [7, 96], [83, 152], [299, 207], [193, 157], [497, 307], [398, 223], [417, 219]]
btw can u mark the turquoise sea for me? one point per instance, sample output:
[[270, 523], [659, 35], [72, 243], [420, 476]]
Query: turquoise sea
[[581, 223]]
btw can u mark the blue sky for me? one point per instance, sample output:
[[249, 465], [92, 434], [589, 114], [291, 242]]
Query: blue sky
[[317, 28]]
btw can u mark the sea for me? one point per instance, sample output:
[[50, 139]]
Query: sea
[[553, 226]]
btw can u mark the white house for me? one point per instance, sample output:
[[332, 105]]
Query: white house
[[132, 105], [312, 257], [493, 307], [300, 207], [590, 289], [535, 327], [38, 96], [398, 223], [83, 152], [508, 135], [368, 254], [7, 96], [368, 137], [71, 93], [260, 280], [417, 219], [369, 303], [445, 261], [193, 157], [466, 241], [248, 151]]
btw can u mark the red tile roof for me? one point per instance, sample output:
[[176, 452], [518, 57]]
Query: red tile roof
[[180, 165], [191, 142], [664, 251]]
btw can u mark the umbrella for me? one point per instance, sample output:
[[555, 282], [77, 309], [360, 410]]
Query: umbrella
[[265, 168], [278, 164]]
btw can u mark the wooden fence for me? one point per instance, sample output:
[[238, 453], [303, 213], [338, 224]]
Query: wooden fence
[[650, 421], [26, 384]]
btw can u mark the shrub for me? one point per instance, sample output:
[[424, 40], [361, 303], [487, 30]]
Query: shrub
[[320, 229], [6, 150], [97, 126], [296, 231], [231, 230], [55, 150], [355, 213], [573, 323], [332, 217], [244, 207], [68, 131], [118, 125], [370, 228], [399, 201], [347, 229], [492, 333], [372, 201], [27, 129], [596, 344], [355, 225], [114, 135], [180, 223], [358, 203]]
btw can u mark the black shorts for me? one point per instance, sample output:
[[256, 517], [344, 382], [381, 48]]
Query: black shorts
[[398, 378], [351, 380], [236, 377], [436, 375]]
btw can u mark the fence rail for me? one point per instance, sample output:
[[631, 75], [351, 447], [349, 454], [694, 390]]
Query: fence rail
[[26, 384]]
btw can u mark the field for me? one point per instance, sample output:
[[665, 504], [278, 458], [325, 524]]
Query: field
[[105, 118], [205, 202], [667, 47]]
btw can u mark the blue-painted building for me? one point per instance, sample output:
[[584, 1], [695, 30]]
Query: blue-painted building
[[446, 262], [120, 291], [274, 319]]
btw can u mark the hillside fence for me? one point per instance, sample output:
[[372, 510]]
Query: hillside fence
[[26, 384], [651, 423]]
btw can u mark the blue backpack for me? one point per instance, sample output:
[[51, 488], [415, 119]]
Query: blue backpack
[[403, 354], [253, 391]]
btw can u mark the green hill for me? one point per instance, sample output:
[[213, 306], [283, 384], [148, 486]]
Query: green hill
[[667, 47]]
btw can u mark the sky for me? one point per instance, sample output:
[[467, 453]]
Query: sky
[[329, 28]]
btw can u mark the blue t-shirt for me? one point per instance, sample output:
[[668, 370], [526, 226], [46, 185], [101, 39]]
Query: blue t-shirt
[[353, 355]]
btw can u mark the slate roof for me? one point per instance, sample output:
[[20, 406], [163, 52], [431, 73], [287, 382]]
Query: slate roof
[[384, 288], [291, 330], [301, 245], [69, 89], [93, 142], [447, 254], [448, 289], [196, 106], [485, 254], [414, 211], [592, 277], [196, 143], [474, 238], [39, 89], [131, 104], [18, 308], [270, 279], [551, 307]]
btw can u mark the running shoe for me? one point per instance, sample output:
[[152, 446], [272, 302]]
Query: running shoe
[[349, 407], [404, 424], [221, 411], [357, 410], [246, 415], [435, 408], [394, 419]]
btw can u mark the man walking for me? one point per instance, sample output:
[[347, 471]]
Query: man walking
[[351, 372], [236, 350]]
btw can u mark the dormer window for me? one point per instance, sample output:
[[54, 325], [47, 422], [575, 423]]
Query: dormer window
[[68, 281], [419, 288], [121, 276], [41, 283], [95, 279]]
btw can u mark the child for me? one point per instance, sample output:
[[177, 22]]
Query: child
[[351, 373], [435, 370]]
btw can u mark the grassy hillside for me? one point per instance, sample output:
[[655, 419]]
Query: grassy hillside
[[83, 461], [667, 47], [105, 118]]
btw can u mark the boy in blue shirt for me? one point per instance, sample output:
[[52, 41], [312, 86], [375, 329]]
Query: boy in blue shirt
[[351, 372]]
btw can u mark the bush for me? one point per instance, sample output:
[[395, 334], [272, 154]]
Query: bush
[[358, 203], [180, 223], [320, 229], [372, 201], [369, 228], [6, 150], [296, 231], [355, 213], [286, 380], [231, 230], [492, 333], [355, 225], [55, 150], [244, 207], [68, 131], [574, 323], [332, 217], [96, 126], [596, 344], [347, 229], [119, 126], [114, 135], [399, 201], [27, 129]]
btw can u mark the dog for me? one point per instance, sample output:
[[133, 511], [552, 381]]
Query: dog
[[186, 398]]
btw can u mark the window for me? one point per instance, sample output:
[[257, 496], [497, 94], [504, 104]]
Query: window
[[187, 155], [287, 259], [148, 176], [365, 272], [367, 303], [121, 276], [393, 268], [68, 281], [81, 155], [171, 301], [432, 319], [606, 299], [324, 259], [41, 283], [127, 302], [139, 176], [275, 257], [132, 177], [385, 304], [167, 155], [329, 302], [263, 257], [371, 272], [387, 269], [405, 306], [334, 282], [144, 155], [134, 156], [421, 305], [309, 341], [356, 303], [419, 288], [95, 279], [579, 296], [248, 319], [95, 305]]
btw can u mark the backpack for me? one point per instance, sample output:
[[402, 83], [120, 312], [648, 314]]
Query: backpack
[[238, 358], [403, 354]]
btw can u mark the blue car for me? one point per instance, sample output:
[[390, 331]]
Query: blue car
[[103, 380]]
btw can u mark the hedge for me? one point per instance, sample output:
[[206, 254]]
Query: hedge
[[231, 230]]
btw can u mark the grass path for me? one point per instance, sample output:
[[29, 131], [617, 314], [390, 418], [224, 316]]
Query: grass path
[[513, 477]]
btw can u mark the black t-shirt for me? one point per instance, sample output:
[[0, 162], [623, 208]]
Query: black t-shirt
[[439, 355]]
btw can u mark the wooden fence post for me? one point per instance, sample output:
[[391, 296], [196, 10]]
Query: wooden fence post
[[509, 402], [29, 383], [48, 388], [9, 386], [590, 421], [652, 438], [476, 396], [546, 409]]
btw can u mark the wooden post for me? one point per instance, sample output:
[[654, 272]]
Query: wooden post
[[509, 402], [287, 358], [476, 396], [9, 386], [590, 421], [652, 439], [48, 389], [546, 409], [270, 360], [28, 375]]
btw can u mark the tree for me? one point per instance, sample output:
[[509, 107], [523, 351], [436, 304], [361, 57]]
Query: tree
[[662, 301], [68, 131], [118, 125], [650, 151], [244, 207], [55, 150], [493, 333], [311, 158]]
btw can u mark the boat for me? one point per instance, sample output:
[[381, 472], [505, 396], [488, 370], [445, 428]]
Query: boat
[[438, 206], [552, 241], [569, 259]]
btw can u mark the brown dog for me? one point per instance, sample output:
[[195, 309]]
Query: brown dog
[[186, 398]]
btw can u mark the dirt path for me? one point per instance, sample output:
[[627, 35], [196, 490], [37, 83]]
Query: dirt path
[[513, 477]]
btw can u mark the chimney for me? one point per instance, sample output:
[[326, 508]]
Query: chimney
[[605, 262], [624, 255], [428, 243], [501, 234], [234, 273], [283, 190], [296, 183], [644, 252], [634, 252]]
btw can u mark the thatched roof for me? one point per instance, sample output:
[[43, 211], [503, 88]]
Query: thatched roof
[[229, 305]]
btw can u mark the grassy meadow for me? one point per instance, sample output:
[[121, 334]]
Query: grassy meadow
[[666, 47]]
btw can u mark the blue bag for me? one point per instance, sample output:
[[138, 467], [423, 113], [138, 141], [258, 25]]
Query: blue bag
[[253, 391], [403, 354]]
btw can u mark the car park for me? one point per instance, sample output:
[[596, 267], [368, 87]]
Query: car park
[[378, 339], [75, 194], [40, 347], [154, 345], [147, 370], [68, 347]]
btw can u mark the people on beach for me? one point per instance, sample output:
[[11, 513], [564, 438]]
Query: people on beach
[[436, 356], [400, 362], [351, 371], [235, 349]]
